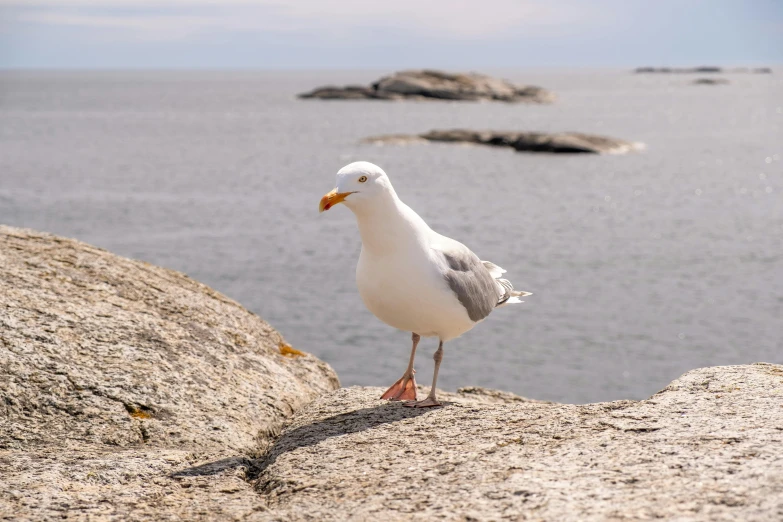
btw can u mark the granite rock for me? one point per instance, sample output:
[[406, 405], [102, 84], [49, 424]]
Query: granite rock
[[435, 85], [707, 447], [131, 392], [117, 377]]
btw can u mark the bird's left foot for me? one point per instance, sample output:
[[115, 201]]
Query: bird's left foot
[[402, 390], [429, 402]]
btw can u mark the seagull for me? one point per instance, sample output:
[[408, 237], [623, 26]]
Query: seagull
[[412, 278]]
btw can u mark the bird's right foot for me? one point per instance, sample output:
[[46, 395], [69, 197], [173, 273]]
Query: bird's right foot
[[402, 390], [429, 402]]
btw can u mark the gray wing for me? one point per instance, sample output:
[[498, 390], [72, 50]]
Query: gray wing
[[468, 278]]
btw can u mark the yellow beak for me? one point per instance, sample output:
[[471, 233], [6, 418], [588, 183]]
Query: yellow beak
[[331, 199]]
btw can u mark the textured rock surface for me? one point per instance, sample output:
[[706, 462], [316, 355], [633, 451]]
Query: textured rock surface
[[116, 374], [707, 447], [565, 142], [131, 392], [429, 84]]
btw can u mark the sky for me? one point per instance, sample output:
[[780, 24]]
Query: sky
[[368, 34]]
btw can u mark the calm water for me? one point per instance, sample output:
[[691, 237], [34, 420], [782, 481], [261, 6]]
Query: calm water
[[643, 266]]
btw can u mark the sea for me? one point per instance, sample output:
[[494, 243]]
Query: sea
[[643, 266]]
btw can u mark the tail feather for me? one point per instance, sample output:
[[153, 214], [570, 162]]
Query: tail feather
[[494, 270], [506, 292]]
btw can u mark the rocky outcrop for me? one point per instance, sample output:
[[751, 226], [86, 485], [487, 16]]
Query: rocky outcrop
[[707, 447], [131, 392], [116, 375], [565, 142], [435, 85], [702, 70]]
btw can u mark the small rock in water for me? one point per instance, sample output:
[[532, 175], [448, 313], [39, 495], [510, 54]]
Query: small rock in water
[[565, 142], [710, 81], [435, 85]]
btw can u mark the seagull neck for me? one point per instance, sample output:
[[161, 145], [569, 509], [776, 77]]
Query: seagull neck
[[387, 225]]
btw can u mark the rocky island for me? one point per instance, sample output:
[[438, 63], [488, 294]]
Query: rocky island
[[435, 85], [564, 143], [710, 81], [702, 70], [132, 392]]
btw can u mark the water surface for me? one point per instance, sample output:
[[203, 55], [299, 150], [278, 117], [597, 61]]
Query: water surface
[[643, 266]]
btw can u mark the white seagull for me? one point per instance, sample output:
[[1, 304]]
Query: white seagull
[[412, 278]]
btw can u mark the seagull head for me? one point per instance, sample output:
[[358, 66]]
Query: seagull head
[[358, 184]]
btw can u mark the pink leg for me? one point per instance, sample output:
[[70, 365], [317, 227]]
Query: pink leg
[[431, 400], [405, 388]]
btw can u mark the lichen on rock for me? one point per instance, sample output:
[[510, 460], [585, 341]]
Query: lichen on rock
[[116, 374]]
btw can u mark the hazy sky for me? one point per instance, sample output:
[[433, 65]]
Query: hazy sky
[[388, 33]]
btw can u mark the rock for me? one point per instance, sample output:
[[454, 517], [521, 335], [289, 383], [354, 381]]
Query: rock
[[351, 92], [566, 142], [702, 70], [131, 392], [429, 84], [710, 81], [707, 447], [117, 378]]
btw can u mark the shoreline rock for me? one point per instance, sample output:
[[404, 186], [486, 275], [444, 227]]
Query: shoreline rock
[[435, 85], [132, 392], [560, 143], [115, 374], [707, 447]]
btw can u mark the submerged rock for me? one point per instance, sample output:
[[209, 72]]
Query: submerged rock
[[707, 447], [565, 142], [430, 84], [702, 70], [116, 376], [351, 92], [710, 81]]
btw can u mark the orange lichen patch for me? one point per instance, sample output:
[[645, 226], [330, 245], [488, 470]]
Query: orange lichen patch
[[289, 351], [138, 413]]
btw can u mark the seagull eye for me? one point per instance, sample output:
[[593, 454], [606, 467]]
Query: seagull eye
[[362, 179]]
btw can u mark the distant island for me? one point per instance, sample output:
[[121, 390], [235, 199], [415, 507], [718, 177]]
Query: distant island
[[710, 81], [561, 143], [430, 84], [702, 70]]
